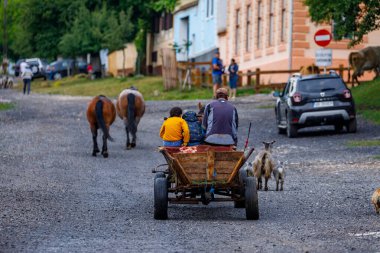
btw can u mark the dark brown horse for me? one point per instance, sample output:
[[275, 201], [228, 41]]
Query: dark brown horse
[[130, 107], [101, 114]]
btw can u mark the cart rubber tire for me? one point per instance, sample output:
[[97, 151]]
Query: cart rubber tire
[[242, 178], [159, 175], [160, 198], [251, 199]]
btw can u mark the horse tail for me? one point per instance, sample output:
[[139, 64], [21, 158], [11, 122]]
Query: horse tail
[[131, 112], [100, 119]]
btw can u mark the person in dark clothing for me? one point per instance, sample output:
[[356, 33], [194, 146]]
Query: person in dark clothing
[[233, 69], [220, 120], [195, 128], [217, 72]]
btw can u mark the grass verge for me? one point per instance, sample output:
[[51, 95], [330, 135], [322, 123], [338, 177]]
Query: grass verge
[[364, 143], [6, 106], [367, 99], [151, 87]]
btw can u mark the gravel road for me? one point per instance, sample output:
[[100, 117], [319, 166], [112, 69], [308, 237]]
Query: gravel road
[[56, 197]]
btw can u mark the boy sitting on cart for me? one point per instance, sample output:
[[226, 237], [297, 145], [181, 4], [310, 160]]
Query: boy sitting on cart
[[175, 131]]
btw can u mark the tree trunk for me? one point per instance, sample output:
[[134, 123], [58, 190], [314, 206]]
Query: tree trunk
[[124, 70], [101, 66]]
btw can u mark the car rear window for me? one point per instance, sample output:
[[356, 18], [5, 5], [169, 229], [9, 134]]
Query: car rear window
[[321, 85]]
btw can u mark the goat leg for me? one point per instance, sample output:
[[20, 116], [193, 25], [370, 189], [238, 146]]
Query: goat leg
[[266, 184]]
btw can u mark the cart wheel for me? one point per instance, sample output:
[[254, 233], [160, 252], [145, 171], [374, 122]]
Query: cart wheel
[[160, 199], [242, 178], [251, 199], [159, 175]]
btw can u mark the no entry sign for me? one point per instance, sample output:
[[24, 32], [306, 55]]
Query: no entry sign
[[322, 37]]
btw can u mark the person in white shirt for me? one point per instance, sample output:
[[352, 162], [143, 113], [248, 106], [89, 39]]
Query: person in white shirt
[[23, 65], [26, 76]]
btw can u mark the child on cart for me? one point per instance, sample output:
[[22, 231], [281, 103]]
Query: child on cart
[[195, 128], [175, 131]]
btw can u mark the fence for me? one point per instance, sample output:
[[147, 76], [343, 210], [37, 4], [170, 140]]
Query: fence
[[201, 75]]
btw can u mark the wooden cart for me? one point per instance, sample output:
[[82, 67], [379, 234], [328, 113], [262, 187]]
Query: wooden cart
[[203, 174]]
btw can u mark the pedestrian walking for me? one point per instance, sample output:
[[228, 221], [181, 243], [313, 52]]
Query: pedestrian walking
[[233, 69], [217, 71], [27, 79]]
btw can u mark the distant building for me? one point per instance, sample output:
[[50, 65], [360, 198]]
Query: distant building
[[115, 61], [198, 23], [276, 34], [161, 36]]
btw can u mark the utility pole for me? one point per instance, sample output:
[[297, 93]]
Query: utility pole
[[5, 43]]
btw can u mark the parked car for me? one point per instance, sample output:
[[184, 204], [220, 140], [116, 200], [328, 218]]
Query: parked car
[[17, 67], [37, 65], [62, 68], [315, 100]]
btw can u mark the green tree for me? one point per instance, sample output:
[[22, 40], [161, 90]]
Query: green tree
[[119, 32], [351, 17]]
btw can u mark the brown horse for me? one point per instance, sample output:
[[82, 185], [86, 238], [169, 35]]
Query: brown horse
[[101, 114], [130, 107]]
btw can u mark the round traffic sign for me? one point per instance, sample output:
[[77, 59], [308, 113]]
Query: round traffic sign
[[322, 37]]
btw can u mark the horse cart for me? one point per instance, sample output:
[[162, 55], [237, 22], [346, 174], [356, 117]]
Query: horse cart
[[203, 174]]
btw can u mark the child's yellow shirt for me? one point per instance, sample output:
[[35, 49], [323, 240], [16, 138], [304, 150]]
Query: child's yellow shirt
[[175, 129]]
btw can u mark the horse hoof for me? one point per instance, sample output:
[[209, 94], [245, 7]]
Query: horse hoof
[[128, 147], [105, 155], [94, 154], [96, 150], [266, 188], [133, 145]]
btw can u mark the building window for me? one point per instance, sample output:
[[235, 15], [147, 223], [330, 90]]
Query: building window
[[154, 56], [283, 20], [271, 23], [156, 24], [209, 8], [237, 26], [259, 24], [168, 21], [248, 30]]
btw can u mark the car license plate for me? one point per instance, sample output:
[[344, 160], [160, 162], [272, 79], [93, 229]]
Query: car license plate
[[324, 104]]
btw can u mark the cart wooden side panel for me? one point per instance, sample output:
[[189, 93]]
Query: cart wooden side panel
[[208, 166]]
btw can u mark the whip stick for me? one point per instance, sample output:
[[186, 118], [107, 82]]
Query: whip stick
[[249, 131]]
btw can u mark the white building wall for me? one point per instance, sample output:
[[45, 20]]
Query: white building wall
[[203, 28]]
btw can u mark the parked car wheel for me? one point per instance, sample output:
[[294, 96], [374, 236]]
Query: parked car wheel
[[338, 128], [351, 126], [291, 130]]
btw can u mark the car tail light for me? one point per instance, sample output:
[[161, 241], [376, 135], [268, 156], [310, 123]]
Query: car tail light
[[297, 97], [347, 94]]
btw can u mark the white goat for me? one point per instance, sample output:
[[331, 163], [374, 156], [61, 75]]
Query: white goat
[[279, 175], [263, 165]]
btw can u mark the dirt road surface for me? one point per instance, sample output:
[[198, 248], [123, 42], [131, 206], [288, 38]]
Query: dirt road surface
[[56, 197]]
